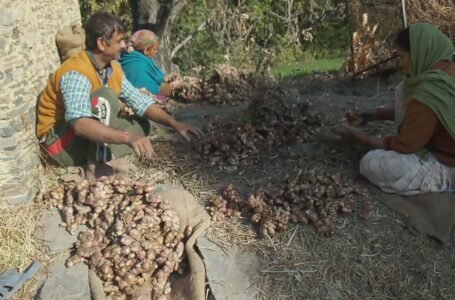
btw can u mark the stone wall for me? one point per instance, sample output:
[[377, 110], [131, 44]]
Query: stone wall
[[27, 57]]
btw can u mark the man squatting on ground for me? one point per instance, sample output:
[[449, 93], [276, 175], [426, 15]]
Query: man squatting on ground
[[78, 114]]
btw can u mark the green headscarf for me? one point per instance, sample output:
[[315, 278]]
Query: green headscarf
[[434, 88]]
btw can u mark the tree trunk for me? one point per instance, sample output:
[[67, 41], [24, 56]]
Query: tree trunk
[[158, 16]]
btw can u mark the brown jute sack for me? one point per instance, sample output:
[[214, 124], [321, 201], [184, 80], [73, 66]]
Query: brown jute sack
[[190, 286], [191, 213], [70, 40]]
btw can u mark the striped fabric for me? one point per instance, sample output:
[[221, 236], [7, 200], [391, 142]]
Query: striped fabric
[[76, 89]]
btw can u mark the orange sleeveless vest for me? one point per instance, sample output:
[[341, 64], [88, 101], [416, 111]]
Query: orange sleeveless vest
[[51, 109]]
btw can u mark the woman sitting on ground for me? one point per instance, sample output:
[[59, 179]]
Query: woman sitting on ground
[[140, 68], [421, 157]]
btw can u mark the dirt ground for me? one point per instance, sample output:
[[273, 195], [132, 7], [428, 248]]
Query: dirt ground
[[377, 258]]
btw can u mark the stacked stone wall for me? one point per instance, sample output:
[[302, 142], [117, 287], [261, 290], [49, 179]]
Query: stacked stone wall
[[28, 56]]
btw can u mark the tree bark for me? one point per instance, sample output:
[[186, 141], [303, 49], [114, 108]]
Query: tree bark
[[158, 16]]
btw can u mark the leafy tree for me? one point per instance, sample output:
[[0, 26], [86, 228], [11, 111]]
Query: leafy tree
[[249, 33], [245, 31], [120, 8]]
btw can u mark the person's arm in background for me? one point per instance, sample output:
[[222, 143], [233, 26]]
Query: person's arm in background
[[167, 88], [416, 131], [378, 113], [144, 105]]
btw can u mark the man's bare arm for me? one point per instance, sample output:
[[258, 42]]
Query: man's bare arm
[[96, 131], [157, 114]]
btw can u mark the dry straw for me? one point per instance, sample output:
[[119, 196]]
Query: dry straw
[[438, 12], [18, 246]]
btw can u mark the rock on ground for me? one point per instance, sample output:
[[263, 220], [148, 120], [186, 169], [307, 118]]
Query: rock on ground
[[56, 238], [64, 283]]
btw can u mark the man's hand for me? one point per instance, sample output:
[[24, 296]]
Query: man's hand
[[157, 114], [185, 129], [96, 131], [141, 145], [351, 133]]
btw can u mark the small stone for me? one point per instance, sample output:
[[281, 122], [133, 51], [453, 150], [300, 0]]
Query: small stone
[[17, 12], [2, 48], [7, 143], [19, 197], [19, 101], [66, 283], [5, 19], [6, 130], [16, 33], [9, 75]]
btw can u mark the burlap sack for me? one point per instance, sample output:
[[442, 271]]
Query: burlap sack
[[70, 41], [191, 213], [191, 286]]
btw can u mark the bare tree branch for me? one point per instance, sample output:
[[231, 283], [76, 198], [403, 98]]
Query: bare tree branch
[[200, 28]]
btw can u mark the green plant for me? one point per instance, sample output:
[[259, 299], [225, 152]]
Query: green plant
[[248, 33], [121, 8]]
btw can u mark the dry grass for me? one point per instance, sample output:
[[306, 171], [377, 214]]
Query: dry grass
[[370, 48], [438, 12], [18, 229], [374, 259], [378, 258], [18, 246], [371, 24]]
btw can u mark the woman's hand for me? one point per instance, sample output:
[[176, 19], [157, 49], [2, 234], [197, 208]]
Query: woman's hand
[[367, 115], [176, 84], [352, 134], [186, 130], [360, 118]]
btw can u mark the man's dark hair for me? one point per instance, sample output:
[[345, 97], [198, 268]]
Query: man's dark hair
[[403, 40], [101, 25]]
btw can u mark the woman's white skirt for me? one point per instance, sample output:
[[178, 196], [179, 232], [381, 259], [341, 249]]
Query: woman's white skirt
[[406, 174]]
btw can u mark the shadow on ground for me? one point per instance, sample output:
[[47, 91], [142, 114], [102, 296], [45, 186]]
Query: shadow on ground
[[377, 258]]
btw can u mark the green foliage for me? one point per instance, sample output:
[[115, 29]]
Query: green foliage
[[270, 27], [331, 40], [290, 70], [120, 8], [248, 33]]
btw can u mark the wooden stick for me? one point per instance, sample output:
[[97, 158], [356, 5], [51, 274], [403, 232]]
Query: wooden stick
[[375, 65]]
